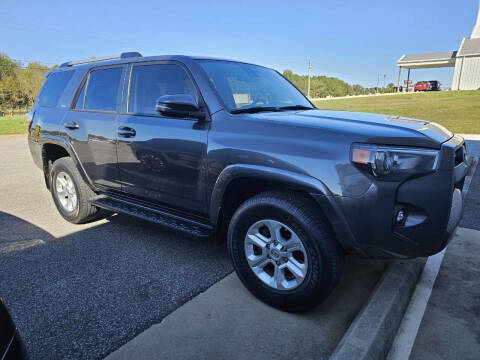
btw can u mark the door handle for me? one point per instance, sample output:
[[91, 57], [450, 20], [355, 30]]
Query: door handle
[[72, 125], [127, 132]]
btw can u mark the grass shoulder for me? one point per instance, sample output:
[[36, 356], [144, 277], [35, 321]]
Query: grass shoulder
[[459, 111], [13, 124]]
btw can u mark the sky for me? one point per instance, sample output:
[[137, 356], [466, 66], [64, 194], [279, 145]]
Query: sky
[[354, 40]]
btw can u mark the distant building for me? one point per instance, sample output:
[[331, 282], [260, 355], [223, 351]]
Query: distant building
[[466, 61]]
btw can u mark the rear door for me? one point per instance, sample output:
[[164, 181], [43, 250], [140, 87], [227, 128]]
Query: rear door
[[161, 159], [90, 124]]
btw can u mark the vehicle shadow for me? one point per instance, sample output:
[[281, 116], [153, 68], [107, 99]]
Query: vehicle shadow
[[85, 294]]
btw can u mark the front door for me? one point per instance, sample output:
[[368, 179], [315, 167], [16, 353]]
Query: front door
[[90, 125], [161, 159]]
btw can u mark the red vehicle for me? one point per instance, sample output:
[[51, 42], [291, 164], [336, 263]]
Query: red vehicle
[[422, 86]]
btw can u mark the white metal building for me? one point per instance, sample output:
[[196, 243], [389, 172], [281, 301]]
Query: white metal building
[[467, 65], [466, 61]]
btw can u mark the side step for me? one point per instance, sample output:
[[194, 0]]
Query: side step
[[163, 218]]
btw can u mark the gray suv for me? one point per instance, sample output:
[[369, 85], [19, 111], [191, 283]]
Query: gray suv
[[222, 148]]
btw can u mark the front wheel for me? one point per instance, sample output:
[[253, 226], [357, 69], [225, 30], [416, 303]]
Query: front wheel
[[284, 251]]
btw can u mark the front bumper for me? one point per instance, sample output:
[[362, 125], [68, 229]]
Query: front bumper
[[434, 205]]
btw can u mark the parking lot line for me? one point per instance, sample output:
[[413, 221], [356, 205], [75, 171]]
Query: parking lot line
[[407, 332]]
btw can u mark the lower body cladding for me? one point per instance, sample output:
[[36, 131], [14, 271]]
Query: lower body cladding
[[413, 219]]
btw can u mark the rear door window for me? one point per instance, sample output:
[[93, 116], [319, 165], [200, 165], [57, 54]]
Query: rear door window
[[149, 82], [103, 89], [53, 88]]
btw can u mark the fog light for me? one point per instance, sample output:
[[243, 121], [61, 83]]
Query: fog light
[[400, 216]]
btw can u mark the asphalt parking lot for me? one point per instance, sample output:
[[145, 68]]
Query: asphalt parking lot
[[81, 291]]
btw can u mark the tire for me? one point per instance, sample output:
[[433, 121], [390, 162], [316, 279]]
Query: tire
[[298, 215], [82, 211]]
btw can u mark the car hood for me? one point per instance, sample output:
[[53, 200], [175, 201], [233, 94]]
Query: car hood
[[375, 128]]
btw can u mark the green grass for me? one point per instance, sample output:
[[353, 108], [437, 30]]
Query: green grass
[[15, 124], [458, 111]]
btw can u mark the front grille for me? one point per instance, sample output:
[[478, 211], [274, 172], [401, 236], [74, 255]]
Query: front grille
[[459, 155]]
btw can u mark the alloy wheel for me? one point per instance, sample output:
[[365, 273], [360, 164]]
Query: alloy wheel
[[65, 191], [276, 254]]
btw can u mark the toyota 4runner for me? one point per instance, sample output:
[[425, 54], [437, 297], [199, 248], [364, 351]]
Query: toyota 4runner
[[217, 147]]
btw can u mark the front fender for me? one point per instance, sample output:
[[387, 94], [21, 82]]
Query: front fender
[[316, 188]]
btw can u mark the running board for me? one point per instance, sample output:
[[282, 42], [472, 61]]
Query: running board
[[175, 222]]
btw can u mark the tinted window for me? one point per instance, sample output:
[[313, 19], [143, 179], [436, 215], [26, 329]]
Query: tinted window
[[149, 82], [103, 89], [53, 88], [81, 97]]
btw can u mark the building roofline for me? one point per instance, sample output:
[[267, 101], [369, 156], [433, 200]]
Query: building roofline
[[471, 53], [442, 59]]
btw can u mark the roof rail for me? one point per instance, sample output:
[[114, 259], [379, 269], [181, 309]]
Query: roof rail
[[123, 55]]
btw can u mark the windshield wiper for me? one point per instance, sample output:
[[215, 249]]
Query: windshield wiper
[[254, 109], [296, 107]]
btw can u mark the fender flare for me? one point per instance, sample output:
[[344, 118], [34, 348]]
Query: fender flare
[[316, 188], [64, 143]]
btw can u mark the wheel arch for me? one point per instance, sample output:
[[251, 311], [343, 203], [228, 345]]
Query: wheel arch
[[240, 182], [55, 147]]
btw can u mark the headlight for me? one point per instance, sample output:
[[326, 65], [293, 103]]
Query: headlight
[[391, 163]]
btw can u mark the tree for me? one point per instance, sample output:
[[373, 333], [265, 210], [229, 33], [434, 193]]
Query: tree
[[19, 86], [31, 80], [358, 89], [320, 86]]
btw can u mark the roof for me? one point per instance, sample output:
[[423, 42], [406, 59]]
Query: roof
[[428, 56], [133, 58], [469, 47], [436, 59]]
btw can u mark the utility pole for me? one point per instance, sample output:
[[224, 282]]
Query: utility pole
[[384, 77], [378, 82], [309, 68]]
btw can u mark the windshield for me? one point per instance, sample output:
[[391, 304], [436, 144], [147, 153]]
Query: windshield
[[245, 86]]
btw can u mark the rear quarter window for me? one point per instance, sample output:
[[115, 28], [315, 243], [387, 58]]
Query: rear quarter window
[[53, 88]]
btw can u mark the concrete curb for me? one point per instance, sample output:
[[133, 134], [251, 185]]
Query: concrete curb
[[372, 332]]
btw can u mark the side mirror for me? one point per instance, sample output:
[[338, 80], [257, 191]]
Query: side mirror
[[179, 105]]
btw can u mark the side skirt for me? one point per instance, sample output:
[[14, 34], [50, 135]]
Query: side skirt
[[172, 221]]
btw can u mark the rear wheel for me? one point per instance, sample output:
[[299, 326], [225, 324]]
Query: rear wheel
[[70, 193], [284, 251]]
